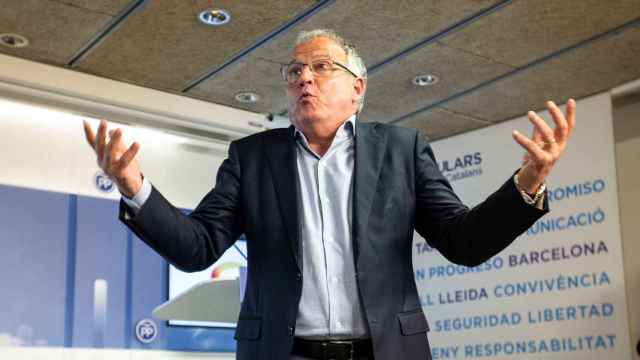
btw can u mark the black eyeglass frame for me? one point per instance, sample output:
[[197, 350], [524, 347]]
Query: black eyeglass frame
[[284, 67]]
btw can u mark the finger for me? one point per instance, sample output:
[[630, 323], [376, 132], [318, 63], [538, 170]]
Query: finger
[[571, 113], [128, 155], [100, 140], [112, 147], [541, 127], [533, 149], [561, 123], [111, 133], [536, 136], [89, 135]]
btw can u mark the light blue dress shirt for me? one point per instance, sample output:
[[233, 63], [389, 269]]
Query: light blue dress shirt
[[329, 307]]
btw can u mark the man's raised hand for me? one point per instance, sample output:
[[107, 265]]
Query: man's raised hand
[[545, 146], [113, 157]]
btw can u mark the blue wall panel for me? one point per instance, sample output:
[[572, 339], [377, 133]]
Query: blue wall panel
[[101, 254], [33, 238], [148, 290]]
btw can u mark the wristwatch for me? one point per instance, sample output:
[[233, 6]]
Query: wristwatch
[[530, 199]]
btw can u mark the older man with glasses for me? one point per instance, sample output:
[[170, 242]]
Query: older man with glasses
[[329, 207]]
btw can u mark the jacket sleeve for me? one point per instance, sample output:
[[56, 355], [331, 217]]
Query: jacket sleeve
[[466, 236], [192, 242]]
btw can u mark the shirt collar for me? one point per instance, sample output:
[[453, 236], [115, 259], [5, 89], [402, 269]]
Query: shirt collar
[[348, 128]]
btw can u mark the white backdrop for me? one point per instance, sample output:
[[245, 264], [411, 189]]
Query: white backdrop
[[45, 149], [558, 291]]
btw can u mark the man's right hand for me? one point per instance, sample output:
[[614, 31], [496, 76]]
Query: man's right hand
[[115, 159]]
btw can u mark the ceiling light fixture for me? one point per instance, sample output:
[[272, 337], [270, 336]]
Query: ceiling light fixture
[[214, 17], [13, 40], [425, 80], [247, 97]]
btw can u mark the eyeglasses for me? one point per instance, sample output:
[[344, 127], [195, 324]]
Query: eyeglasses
[[292, 71]]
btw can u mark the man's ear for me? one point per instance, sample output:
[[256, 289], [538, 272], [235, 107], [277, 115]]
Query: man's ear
[[359, 86]]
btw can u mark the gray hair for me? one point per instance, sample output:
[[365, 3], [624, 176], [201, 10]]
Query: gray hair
[[354, 61]]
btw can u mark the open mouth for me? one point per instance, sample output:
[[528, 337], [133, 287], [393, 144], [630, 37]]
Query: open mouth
[[305, 96]]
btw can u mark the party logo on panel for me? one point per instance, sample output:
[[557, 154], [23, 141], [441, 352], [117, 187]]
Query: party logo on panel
[[146, 331], [103, 183]]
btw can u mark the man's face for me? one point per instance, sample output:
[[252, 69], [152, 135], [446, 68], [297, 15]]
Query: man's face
[[329, 99]]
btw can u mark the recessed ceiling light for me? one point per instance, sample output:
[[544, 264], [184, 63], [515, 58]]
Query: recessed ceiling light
[[247, 97], [214, 17], [13, 40], [425, 80]]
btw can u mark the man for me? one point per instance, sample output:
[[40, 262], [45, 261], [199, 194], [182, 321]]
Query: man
[[329, 207]]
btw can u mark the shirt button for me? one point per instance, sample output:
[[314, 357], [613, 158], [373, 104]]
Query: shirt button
[[291, 331], [299, 276]]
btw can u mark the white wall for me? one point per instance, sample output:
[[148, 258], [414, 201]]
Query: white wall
[[46, 149], [626, 125]]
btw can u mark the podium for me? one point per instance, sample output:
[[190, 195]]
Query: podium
[[207, 301]]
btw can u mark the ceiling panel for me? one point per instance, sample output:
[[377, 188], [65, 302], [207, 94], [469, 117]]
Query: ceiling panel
[[439, 123], [380, 29], [258, 76], [164, 45], [585, 71], [109, 7], [55, 31], [391, 94], [529, 29]]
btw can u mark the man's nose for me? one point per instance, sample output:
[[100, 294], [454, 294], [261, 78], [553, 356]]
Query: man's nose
[[306, 76]]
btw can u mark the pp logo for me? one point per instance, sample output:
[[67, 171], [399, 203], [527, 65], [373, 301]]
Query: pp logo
[[102, 182], [146, 331]]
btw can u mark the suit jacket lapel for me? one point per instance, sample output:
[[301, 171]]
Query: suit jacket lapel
[[282, 161], [371, 144]]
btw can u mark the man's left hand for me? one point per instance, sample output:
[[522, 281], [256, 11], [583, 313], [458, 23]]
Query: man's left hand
[[545, 146]]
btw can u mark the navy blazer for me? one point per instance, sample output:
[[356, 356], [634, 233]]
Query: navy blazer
[[397, 188]]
